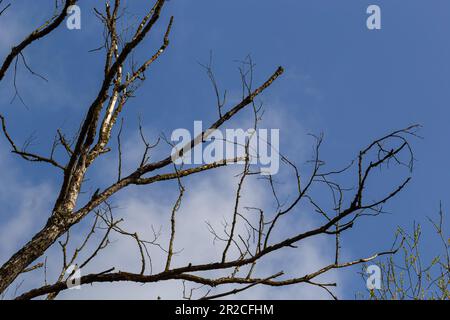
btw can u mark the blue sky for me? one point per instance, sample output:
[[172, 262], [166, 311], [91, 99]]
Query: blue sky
[[341, 79]]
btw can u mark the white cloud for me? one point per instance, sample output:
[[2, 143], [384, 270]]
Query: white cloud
[[24, 205], [207, 198]]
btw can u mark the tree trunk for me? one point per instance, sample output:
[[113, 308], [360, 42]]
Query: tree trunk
[[30, 252]]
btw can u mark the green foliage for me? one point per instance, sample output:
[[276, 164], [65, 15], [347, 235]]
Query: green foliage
[[407, 276]]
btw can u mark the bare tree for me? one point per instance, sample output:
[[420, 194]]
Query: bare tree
[[242, 252]]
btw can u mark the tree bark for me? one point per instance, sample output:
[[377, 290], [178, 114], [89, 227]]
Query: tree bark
[[30, 252]]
